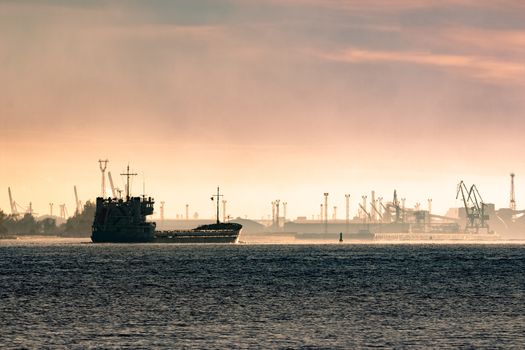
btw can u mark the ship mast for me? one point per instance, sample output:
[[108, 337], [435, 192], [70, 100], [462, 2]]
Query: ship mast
[[218, 195], [128, 174]]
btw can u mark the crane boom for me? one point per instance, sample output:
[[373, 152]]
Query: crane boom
[[12, 203], [113, 192], [377, 211], [77, 202], [474, 207], [365, 211]]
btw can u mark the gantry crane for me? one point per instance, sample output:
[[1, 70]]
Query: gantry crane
[[474, 208]]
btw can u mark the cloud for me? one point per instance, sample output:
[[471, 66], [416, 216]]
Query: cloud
[[399, 5], [479, 67], [163, 31], [495, 41]]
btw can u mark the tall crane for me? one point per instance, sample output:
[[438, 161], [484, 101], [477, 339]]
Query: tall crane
[[113, 190], [16, 208], [366, 214], [78, 207], [376, 211], [397, 207], [12, 203], [474, 207]]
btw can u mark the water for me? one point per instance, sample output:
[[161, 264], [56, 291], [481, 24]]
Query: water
[[266, 296]]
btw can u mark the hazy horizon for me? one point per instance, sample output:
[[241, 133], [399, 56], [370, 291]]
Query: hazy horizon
[[267, 99]]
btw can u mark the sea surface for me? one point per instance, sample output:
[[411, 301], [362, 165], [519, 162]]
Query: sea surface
[[55, 295]]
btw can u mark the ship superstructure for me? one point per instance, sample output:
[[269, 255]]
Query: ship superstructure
[[123, 219], [119, 220]]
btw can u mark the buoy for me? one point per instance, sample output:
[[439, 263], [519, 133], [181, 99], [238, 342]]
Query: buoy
[[340, 237]]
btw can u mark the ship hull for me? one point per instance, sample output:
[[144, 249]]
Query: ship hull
[[129, 236], [196, 236]]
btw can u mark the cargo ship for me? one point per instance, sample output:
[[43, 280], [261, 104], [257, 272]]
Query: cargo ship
[[124, 220]]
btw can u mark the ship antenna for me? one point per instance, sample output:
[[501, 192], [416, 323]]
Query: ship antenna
[[218, 195], [128, 174]]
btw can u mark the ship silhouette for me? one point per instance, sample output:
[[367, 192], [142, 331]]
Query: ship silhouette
[[123, 220]]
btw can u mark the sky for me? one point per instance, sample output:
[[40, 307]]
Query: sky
[[275, 99]]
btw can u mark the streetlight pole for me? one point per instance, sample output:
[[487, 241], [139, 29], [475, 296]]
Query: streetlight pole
[[347, 197], [325, 212]]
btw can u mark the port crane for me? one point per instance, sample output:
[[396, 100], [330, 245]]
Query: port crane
[[393, 211], [366, 216], [78, 205], [366, 213], [474, 208], [113, 189], [17, 209], [12, 203], [380, 216]]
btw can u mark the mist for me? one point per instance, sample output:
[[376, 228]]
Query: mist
[[269, 100]]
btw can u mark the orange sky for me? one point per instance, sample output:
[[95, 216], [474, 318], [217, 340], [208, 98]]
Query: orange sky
[[269, 99]]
